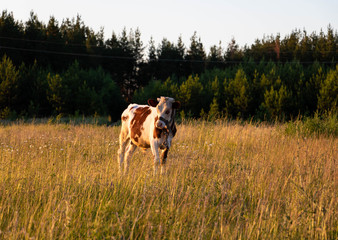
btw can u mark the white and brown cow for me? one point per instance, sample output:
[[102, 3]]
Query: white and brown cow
[[145, 127]]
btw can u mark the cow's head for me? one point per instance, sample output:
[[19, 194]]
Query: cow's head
[[165, 107]]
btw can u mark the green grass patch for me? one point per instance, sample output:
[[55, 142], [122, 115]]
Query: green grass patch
[[327, 125]]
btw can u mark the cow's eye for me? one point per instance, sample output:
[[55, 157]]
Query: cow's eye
[[167, 112]]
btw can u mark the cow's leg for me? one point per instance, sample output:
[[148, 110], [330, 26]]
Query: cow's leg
[[164, 155], [129, 153], [154, 148], [124, 140]]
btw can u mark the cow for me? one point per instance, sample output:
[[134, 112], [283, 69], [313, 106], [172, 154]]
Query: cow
[[148, 126]]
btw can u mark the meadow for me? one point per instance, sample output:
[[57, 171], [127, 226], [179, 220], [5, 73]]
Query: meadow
[[224, 180]]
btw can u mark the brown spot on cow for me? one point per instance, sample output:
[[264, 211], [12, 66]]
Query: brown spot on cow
[[140, 116], [157, 131], [124, 118]]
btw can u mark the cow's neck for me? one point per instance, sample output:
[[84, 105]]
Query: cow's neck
[[169, 124], [172, 121]]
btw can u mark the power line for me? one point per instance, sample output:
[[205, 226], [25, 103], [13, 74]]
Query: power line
[[131, 58], [103, 47], [66, 53], [51, 42]]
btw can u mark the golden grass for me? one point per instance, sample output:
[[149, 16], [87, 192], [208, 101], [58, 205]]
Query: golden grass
[[223, 181]]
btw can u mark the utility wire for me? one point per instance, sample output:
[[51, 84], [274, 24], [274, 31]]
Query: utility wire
[[131, 58], [96, 46], [66, 53], [51, 42]]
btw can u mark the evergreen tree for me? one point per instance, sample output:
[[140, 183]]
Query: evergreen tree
[[328, 93], [180, 48], [55, 93], [214, 110], [35, 33], [71, 81], [32, 89], [237, 95], [215, 57], [233, 54], [331, 54], [276, 102], [305, 48], [55, 44], [311, 89], [152, 50], [196, 56], [11, 34], [148, 69], [190, 95], [9, 76], [137, 47], [169, 59], [289, 46]]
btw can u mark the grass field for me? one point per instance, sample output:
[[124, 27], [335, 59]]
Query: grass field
[[223, 181]]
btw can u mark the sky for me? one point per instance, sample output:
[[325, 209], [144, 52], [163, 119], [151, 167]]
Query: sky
[[213, 20]]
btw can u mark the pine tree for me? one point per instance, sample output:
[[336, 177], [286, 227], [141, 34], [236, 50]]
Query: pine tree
[[196, 55], [190, 94], [8, 86], [55, 92], [214, 110], [237, 95], [215, 57], [276, 102], [152, 50], [233, 53], [328, 93], [180, 48], [11, 33]]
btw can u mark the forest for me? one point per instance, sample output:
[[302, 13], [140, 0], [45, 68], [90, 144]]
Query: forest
[[54, 68]]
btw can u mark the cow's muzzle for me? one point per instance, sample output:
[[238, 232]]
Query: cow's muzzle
[[162, 123]]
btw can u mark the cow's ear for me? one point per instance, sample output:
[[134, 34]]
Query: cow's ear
[[176, 105], [152, 102]]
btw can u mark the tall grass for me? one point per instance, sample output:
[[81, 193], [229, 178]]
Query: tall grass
[[223, 181]]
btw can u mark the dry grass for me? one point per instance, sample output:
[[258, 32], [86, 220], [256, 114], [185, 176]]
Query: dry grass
[[224, 181]]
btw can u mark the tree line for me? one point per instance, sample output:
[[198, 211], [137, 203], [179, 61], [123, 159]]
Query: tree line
[[68, 68], [263, 91]]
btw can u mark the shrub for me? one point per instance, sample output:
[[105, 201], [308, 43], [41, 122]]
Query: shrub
[[327, 124]]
